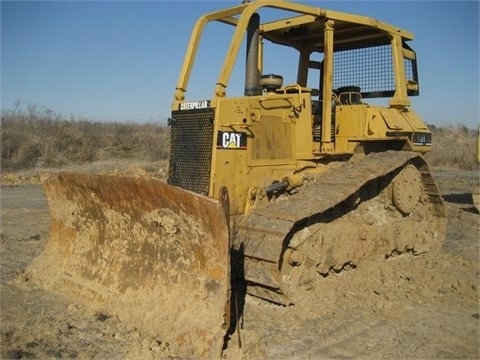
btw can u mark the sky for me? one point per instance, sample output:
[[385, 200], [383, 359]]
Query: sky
[[119, 60]]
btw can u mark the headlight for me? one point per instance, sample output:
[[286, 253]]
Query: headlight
[[422, 139]]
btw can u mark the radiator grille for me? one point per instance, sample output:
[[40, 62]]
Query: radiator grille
[[191, 149]]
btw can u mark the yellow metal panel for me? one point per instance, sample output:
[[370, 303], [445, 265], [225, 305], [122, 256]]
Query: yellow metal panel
[[414, 120], [272, 139], [393, 119]]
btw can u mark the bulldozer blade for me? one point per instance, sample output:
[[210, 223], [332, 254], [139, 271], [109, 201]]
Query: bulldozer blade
[[154, 255]]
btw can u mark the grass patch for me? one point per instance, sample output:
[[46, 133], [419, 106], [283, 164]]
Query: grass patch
[[36, 137]]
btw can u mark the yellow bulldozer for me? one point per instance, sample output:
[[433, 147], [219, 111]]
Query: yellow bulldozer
[[275, 187]]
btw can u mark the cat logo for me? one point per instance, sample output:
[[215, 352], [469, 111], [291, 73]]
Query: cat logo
[[231, 140]]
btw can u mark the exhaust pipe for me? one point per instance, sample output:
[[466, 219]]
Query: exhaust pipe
[[252, 72]]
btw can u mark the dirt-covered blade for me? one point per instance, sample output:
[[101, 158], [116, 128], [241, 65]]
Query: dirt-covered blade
[[154, 255]]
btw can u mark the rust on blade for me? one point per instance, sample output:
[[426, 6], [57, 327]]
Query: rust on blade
[[154, 255]]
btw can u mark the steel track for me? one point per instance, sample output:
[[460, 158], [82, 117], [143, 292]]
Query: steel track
[[329, 204]]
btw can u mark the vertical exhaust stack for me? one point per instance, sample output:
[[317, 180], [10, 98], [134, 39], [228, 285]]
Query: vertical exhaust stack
[[252, 72]]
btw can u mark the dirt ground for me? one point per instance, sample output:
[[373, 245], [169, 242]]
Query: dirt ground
[[404, 307]]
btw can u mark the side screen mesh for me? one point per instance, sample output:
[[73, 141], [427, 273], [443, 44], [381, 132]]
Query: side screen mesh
[[411, 75], [371, 69]]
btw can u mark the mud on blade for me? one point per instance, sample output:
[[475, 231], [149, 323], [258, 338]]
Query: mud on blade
[[152, 254]]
